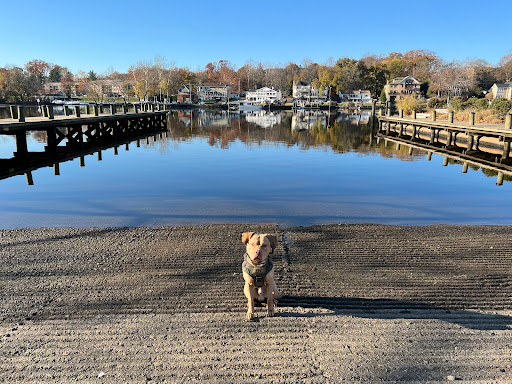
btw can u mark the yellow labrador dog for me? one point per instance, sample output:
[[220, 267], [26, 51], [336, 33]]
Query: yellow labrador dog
[[258, 271]]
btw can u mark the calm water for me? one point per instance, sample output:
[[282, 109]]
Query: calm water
[[260, 168]]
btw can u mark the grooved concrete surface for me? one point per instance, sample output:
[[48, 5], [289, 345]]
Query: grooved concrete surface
[[363, 303]]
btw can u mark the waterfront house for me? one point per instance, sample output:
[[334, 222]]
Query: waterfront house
[[263, 95], [208, 92], [502, 90], [304, 91], [186, 95], [407, 85], [358, 96]]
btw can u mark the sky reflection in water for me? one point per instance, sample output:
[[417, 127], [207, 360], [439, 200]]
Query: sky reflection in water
[[222, 169]]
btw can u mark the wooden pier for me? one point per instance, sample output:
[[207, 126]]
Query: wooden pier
[[451, 135], [480, 145], [71, 136]]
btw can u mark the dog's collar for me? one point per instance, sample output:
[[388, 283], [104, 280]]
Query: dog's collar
[[257, 272]]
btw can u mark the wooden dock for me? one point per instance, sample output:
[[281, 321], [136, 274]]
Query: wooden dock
[[71, 136], [450, 134]]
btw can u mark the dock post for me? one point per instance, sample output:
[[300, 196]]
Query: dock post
[[445, 161], [100, 157], [411, 150], [373, 107], [21, 113], [96, 110], [77, 110], [432, 135], [434, 115], [388, 109], [401, 113], [499, 180], [450, 117], [125, 108], [21, 144], [414, 115], [56, 169], [136, 108], [471, 142], [30, 180], [14, 112], [506, 150], [429, 156], [465, 167], [413, 132], [471, 118], [66, 110], [51, 115], [112, 109], [45, 111], [448, 138], [508, 121]]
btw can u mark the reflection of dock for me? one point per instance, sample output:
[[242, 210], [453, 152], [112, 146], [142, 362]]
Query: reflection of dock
[[476, 159], [71, 137]]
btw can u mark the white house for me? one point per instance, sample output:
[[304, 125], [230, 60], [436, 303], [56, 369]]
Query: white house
[[263, 95], [307, 92], [358, 96]]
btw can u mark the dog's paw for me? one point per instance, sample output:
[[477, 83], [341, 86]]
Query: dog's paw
[[271, 312], [249, 316]]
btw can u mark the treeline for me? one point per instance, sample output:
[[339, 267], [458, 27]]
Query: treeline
[[158, 78]]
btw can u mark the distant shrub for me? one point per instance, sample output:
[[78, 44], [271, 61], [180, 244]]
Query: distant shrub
[[481, 116], [434, 103], [408, 104], [501, 106], [457, 104], [478, 103]]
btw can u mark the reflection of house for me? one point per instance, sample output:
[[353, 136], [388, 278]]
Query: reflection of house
[[402, 86], [185, 118], [263, 95], [360, 118], [186, 95], [502, 90], [208, 119], [263, 119], [358, 96], [212, 92], [307, 92], [305, 120]]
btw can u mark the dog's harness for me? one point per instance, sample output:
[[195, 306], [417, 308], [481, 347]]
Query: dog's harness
[[257, 273]]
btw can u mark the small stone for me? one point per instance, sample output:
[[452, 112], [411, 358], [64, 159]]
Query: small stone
[[101, 374], [451, 378]]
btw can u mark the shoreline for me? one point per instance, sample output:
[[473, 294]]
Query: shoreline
[[362, 302]]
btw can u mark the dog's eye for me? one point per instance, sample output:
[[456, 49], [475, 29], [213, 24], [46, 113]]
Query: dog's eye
[[263, 245]]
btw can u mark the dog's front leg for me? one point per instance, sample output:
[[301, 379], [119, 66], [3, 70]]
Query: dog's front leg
[[250, 293]]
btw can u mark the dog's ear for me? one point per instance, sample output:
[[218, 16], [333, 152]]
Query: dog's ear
[[273, 241], [246, 236]]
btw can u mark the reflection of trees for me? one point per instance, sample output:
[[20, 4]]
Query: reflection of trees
[[341, 136]]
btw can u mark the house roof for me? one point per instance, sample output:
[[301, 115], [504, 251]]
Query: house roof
[[508, 84], [400, 80]]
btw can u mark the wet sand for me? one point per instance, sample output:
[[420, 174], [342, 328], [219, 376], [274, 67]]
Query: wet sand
[[362, 303]]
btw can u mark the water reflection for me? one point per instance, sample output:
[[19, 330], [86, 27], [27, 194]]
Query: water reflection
[[313, 167]]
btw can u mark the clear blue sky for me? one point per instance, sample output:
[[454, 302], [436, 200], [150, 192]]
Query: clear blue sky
[[96, 35]]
